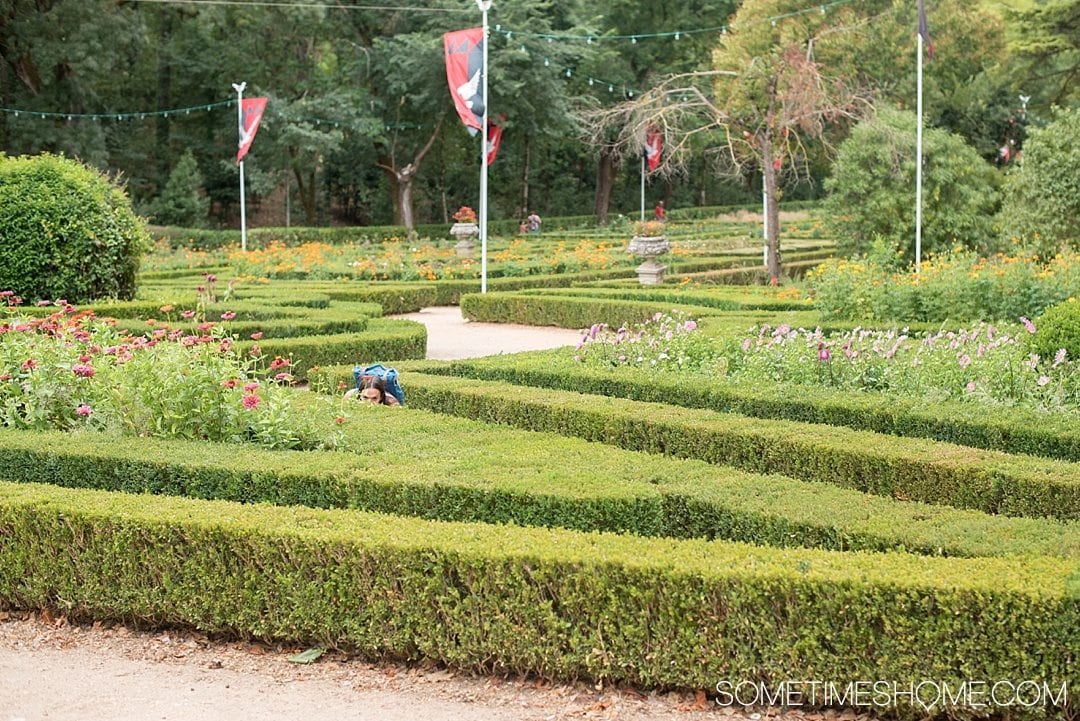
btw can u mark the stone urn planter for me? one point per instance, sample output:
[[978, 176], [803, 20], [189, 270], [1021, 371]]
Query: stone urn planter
[[464, 233], [649, 247]]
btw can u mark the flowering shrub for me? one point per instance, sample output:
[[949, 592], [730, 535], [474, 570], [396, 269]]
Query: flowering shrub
[[648, 228], [70, 370], [958, 285], [465, 214], [982, 363], [665, 342]]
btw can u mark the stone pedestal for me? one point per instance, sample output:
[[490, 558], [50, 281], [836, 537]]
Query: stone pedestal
[[464, 233], [649, 248]]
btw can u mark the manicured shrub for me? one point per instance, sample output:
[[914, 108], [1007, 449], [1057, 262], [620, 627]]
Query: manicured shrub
[[870, 191], [1058, 328], [67, 231], [549, 602], [1042, 195]]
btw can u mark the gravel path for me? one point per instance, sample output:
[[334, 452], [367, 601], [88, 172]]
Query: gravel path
[[451, 337]]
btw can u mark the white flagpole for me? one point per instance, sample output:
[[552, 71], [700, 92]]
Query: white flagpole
[[918, 164], [239, 88], [484, 6]]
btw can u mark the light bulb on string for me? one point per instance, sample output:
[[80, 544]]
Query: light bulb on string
[[676, 36], [590, 81], [822, 8], [589, 40], [546, 62], [568, 73], [633, 39], [610, 89]]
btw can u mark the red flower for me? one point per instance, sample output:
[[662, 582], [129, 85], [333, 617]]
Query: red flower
[[278, 363]]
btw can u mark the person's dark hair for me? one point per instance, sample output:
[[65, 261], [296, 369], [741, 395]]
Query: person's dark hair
[[379, 384]]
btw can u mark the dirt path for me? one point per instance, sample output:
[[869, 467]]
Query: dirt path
[[451, 337], [60, 672]]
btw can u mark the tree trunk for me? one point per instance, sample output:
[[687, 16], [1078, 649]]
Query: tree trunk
[[306, 190], [605, 175], [772, 208], [164, 79], [525, 182], [401, 182], [404, 186]]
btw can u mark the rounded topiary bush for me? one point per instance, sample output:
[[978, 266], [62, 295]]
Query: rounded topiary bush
[[872, 189], [66, 231], [1057, 328]]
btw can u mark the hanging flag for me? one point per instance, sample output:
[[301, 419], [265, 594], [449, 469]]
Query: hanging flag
[[924, 30], [494, 137], [464, 73], [654, 143], [252, 114]]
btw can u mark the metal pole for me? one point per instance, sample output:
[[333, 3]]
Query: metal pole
[[484, 6], [918, 165], [239, 87], [765, 219]]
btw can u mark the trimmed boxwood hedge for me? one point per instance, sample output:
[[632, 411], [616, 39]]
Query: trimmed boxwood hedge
[[413, 466], [903, 468], [966, 424], [558, 604]]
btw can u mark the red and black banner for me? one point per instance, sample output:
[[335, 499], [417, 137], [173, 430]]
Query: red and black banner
[[464, 73], [654, 146], [252, 112], [494, 137]]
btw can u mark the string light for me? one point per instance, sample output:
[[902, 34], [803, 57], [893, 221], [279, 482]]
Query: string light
[[141, 115]]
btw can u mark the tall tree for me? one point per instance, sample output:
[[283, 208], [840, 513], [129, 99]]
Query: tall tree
[[1046, 39]]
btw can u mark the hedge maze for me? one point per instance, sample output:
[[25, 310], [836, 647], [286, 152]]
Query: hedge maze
[[529, 515]]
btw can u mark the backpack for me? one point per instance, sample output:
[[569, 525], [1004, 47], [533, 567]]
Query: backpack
[[390, 375]]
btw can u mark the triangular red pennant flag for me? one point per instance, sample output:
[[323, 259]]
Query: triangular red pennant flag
[[252, 113], [494, 138], [654, 145], [464, 51]]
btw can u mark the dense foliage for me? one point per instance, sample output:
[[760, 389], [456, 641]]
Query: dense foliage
[[1042, 207], [870, 189], [68, 231]]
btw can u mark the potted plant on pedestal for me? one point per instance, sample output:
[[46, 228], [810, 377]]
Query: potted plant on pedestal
[[464, 229], [648, 243]]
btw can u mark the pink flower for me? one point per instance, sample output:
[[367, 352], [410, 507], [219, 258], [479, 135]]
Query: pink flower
[[29, 364], [211, 278], [283, 377], [225, 345], [166, 309], [250, 387], [970, 387], [187, 314], [690, 325], [339, 419], [1059, 357], [251, 401], [257, 336], [823, 354], [5, 377], [746, 345], [1028, 324], [203, 327], [278, 362], [84, 410], [231, 383], [965, 360], [43, 303], [255, 352], [1043, 380], [82, 370], [228, 315]]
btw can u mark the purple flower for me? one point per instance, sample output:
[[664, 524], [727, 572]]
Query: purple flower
[[1059, 357], [690, 325], [746, 345], [1043, 380], [1028, 324], [84, 410], [823, 354], [965, 360]]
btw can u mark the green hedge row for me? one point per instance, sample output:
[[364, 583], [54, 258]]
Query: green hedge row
[[721, 298], [889, 466], [558, 604], [384, 340], [966, 424], [411, 463], [567, 312]]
